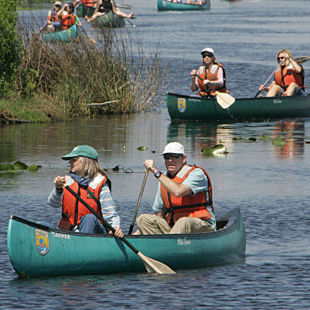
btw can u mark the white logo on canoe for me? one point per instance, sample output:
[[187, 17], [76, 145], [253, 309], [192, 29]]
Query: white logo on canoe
[[42, 243], [183, 241], [181, 104]]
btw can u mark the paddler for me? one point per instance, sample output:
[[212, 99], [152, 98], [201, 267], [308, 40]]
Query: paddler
[[89, 181], [210, 76], [288, 79], [183, 202]]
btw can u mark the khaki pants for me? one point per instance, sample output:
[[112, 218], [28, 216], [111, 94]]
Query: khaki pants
[[149, 224]]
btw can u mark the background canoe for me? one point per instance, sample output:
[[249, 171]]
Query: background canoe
[[163, 5], [36, 250], [83, 10], [182, 107], [109, 20], [61, 36]]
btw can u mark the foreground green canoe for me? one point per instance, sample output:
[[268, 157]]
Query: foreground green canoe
[[83, 10], [192, 108], [109, 20], [163, 5], [37, 250], [61, 36]]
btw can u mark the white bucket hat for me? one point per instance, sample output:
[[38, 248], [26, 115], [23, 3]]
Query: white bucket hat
[[173, 148]]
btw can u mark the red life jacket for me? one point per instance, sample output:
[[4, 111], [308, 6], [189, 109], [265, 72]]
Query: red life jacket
[[90, 3], [53, 17], [73, 210], [187, 206], [211, 75], [68, 20], [288, 75]]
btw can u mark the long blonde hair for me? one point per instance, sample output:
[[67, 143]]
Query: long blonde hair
[[288, 52], [90, 167]]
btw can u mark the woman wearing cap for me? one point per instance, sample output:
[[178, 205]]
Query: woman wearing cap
[[88, 180], [183, 202], [104, 7], [210, 75], [53, 21], [288, 79]]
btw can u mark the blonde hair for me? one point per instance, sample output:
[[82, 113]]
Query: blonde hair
[[288, 52], [90, 167]]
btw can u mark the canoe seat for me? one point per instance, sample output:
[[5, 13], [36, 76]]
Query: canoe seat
[[220, 224]]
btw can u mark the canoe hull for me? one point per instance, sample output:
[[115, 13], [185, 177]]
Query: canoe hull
[[110, 20], [83, 10], [61, 36], [36, 250], [195, 108], [163, 5]]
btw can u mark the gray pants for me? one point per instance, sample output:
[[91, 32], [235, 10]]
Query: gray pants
[[149, 224]]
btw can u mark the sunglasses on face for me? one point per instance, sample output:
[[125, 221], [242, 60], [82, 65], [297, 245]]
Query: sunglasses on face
[[280, 58], [172, 156], [207, 54]]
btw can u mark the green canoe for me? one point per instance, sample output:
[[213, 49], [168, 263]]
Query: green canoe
[[61, 36], [163, 5], [192, 108], [109, 20], [37, 250], [83, 10]]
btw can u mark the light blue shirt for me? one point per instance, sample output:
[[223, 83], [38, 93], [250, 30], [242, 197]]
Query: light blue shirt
[[198, 182]]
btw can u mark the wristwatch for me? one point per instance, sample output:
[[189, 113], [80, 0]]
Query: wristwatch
[[157, 174]]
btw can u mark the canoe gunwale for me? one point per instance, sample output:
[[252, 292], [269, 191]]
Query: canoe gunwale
[[230, 218]]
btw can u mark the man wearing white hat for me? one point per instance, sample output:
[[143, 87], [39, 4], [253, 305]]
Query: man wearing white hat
[[53, 21], [210, 76], [183, 202]]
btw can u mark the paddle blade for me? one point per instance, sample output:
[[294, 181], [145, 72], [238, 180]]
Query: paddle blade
[[154, 266], [301, 60], [224, 100]]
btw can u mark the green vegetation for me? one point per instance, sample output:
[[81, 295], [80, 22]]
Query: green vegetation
[[56, 81], [10, 47]]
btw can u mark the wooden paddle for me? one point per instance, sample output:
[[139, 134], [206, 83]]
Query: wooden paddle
[[223, 99], [139, 202], [301, 60], [271, 75], [151, 265]]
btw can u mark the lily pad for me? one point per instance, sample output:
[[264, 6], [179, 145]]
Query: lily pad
[[33, 168], [6, 167], [142, 148], [18, 165], [278, 142], [215, 150]]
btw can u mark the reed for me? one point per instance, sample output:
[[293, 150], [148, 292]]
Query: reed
[[70, 77]]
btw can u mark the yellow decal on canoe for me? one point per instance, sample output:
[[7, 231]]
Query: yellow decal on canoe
[[42, 243], [181, 104]]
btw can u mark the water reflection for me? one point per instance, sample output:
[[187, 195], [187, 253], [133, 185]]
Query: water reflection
[[293, 134]]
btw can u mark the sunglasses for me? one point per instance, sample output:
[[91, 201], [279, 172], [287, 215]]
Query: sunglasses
[[172, 156], [207, 54], [280, 58]]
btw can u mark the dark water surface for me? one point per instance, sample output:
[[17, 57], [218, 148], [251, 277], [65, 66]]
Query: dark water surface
[[270, 184]]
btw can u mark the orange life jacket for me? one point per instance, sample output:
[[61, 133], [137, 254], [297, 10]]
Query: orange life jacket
[[90, 3], [187, 206], [53, 17], [288, 75], [68, 20], [211, 75], [73, 210]]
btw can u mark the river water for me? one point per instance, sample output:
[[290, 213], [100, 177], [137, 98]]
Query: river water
[[269, 183]]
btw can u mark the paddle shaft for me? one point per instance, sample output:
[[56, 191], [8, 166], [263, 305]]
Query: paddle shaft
[[139, 202], [105, 223], [209, 84], [271, 75]]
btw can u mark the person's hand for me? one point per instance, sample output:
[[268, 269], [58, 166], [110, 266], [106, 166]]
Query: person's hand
[[206, 82], [118, 232], [149, 164], [59, 182], [193, 73]]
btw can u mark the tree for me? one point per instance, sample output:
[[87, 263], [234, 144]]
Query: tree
[[10, 45]]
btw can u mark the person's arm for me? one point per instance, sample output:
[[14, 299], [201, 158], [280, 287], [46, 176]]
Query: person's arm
[[297, 67], [108, 210], [174, 188], [55, 197], [194, 83]]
